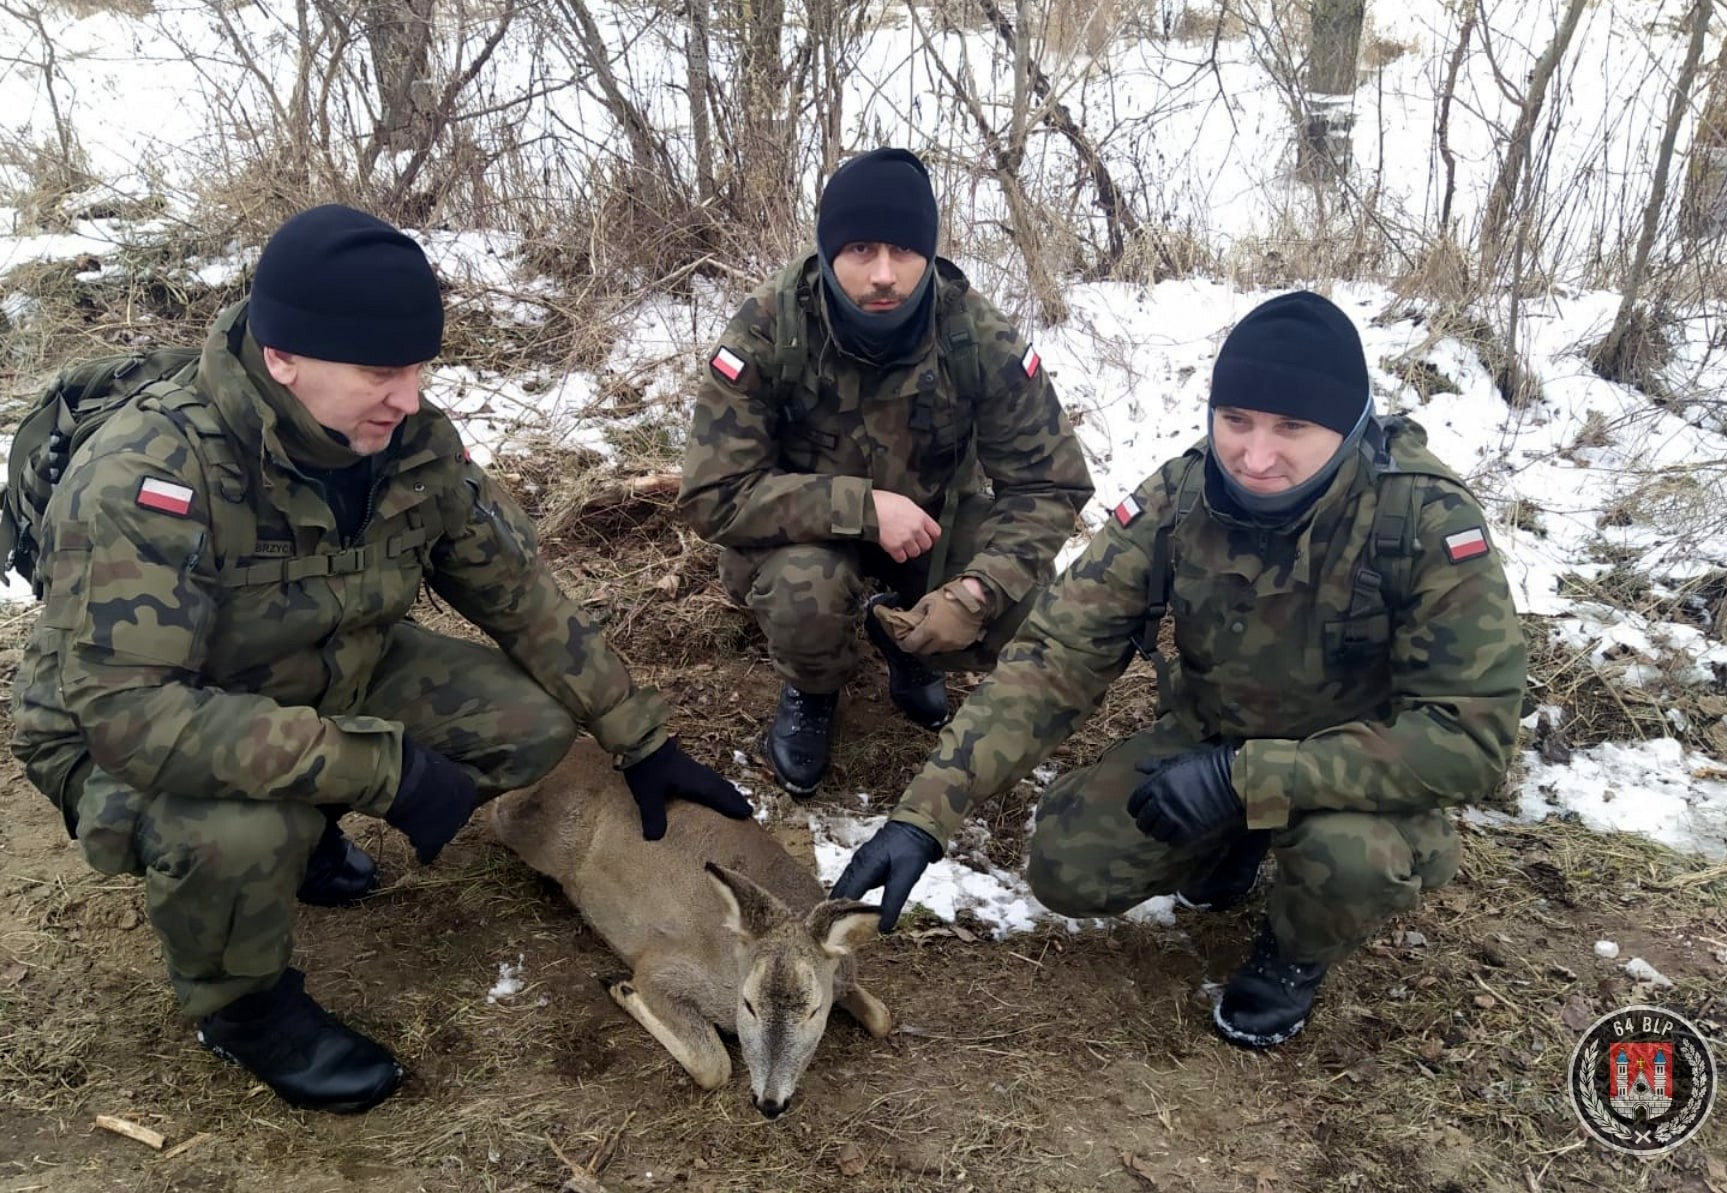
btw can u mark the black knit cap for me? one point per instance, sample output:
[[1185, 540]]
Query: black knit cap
[[340, 285], [1295, 355], [880, 197]]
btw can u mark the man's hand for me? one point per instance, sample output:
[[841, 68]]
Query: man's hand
[[902, 528], [950, 618], [669, 773], [894, 859], [1188, 796], [434, 799]]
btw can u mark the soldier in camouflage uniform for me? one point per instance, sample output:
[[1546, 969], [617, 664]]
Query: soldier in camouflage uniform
[[224, 663], [1349, 664], [866, 416]]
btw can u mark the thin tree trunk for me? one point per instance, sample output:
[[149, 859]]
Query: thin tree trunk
[[1507, 183], [1615, 359], [1444, 130], [700, 30]]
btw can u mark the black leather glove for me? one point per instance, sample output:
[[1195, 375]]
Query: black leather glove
[[669, 773], [894, 859], [433, 801], [1188, 796]]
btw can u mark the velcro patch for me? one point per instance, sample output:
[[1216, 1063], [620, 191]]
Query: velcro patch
[[728, 364], [1030, 361], [1128, 510], [166, 496], [1466, 544]]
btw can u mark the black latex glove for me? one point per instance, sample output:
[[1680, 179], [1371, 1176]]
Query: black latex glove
[[669, 773], [1188, 796], [433, 801], [894, 859]]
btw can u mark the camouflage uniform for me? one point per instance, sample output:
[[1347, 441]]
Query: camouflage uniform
[[783, 484], [199, 682], [1349, 753]]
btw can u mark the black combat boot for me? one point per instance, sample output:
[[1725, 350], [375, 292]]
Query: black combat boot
[[1269, 998], [300, 1050], [1233, 879], [797, 741], [917, 690], [339, 873]]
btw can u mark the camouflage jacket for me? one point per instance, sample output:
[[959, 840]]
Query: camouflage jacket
[[205, 631], [760, 470], [1426, 718]]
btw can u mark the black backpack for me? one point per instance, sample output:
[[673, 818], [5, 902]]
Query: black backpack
[[78, 400]]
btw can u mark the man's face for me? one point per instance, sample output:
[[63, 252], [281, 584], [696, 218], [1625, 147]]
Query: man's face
[[362, 402], [1269, 453], [878, 277]]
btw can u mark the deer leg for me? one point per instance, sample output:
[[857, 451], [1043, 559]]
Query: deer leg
[[677, 1024], [868, 1010]]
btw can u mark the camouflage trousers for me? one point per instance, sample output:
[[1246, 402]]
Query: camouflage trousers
[[1339, 874], [807, 598], [220, 876]]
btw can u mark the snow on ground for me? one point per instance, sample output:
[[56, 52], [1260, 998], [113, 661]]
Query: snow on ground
[[1133, 362]]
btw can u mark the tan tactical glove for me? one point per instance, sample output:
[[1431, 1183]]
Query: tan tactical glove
[[950, 618]]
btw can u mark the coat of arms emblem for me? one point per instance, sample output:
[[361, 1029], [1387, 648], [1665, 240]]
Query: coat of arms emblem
[[1642, 1080]]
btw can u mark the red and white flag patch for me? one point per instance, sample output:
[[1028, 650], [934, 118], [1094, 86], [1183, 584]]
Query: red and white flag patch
[[1030, 361], [728, 364], [166, 496], [1466, 544], [1128, 510]]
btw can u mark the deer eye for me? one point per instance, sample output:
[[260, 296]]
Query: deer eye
[[749, 1008]]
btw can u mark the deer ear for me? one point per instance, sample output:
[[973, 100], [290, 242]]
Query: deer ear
[[750, 911], [842, 926]]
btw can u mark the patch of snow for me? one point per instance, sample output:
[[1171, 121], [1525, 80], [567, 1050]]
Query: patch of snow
[[509, 983]]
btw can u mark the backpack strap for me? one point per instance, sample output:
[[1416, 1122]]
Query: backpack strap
[[1161, 574], [224, 471], [788, 369]]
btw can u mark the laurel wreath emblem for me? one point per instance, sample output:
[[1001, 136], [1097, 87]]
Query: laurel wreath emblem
[[1677, 1123]]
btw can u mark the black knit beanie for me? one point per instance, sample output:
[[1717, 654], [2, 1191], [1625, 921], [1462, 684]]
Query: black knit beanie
[[880, 197], [1295, 355], [340, 285]]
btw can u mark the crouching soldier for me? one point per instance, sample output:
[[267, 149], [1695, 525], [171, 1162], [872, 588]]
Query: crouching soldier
[[224, 664], [845, 430], [1349, 664]]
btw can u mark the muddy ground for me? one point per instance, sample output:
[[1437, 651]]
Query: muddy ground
[[1046, 1061]]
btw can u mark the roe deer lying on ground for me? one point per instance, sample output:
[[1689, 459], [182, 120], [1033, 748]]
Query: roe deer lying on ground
[[719, 923]]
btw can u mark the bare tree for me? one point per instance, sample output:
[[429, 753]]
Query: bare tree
[[1006, 157], [1619, 356], [1120, 222], [1442, 131], [1511, 182], [698, 74], [1334, 45]]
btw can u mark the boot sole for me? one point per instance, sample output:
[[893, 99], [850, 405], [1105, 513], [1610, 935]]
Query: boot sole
[[1244, 1039]]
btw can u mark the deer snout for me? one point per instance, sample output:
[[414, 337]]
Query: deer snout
[[771, 1107]]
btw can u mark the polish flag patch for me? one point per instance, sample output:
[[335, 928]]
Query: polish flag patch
[[728, 364], [1466, 544], [166, 496], [1128, 510], [1030, 361]]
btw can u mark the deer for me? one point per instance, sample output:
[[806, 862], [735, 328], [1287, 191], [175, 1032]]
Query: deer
[[722, 928]]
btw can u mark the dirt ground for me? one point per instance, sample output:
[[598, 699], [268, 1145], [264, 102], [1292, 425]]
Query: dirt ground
[[1041, 1062]]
